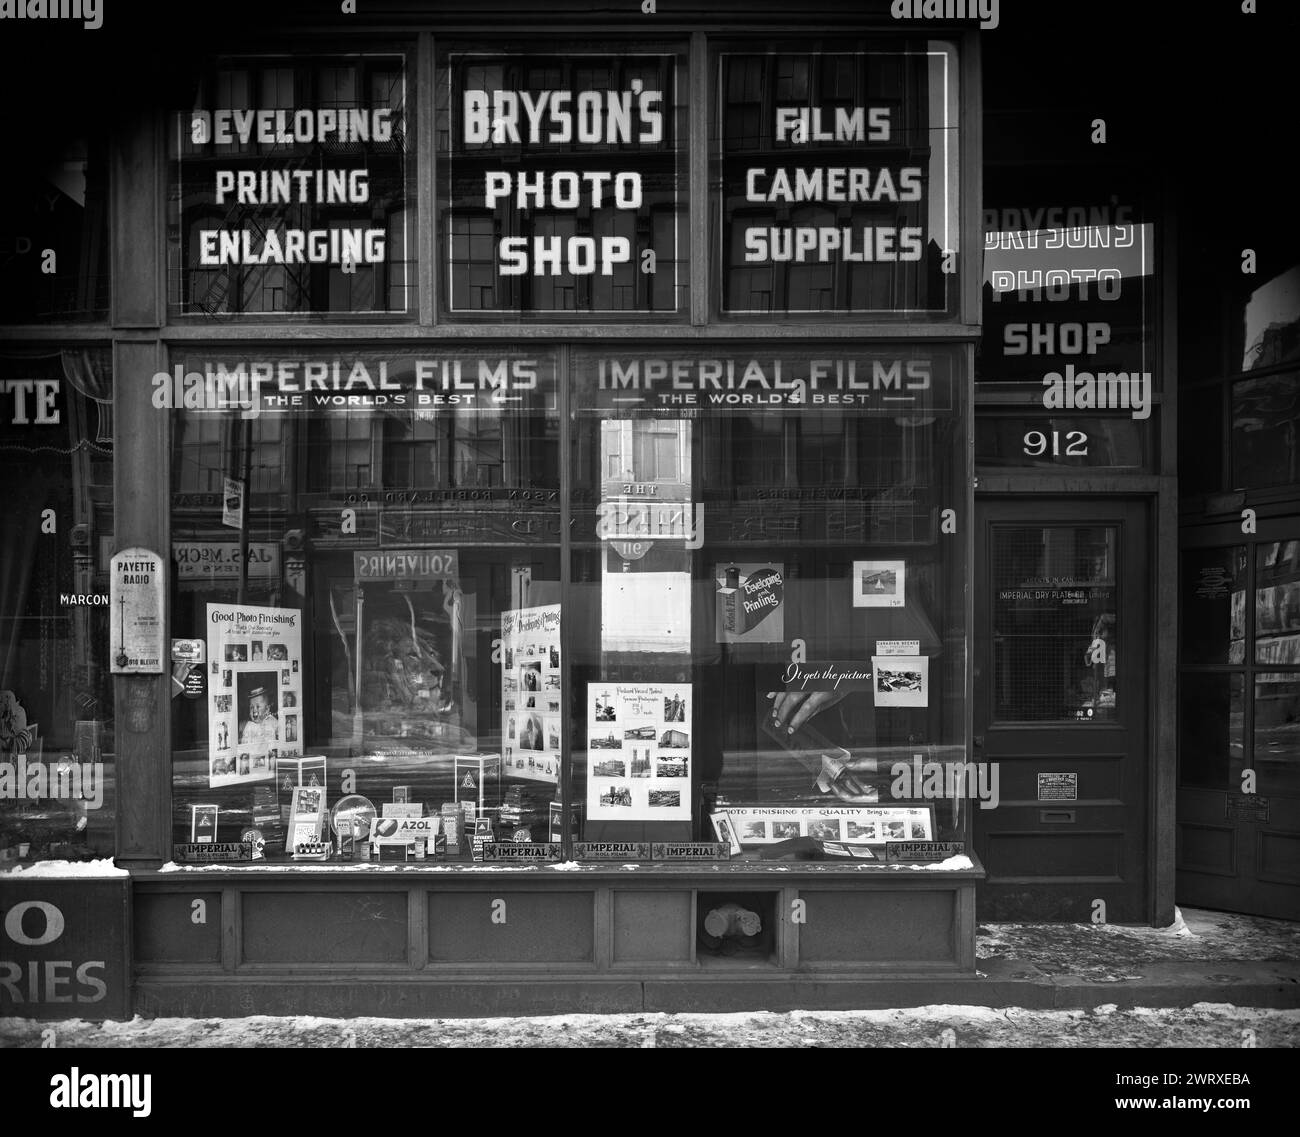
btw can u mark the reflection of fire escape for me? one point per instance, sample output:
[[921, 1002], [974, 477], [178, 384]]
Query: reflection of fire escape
[[257, 219]]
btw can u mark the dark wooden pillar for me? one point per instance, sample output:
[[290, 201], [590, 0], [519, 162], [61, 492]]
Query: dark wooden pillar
[[142, 476]]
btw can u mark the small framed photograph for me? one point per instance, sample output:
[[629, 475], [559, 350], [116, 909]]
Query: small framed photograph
[[879, 584], [901, 680], [725, 832], [203, 823]]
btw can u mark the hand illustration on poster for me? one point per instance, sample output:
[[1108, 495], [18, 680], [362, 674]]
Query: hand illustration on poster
[[750, 603], [639, 740], [530, 692], [247, 727]]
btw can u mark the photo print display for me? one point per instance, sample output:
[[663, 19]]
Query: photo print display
[[639, 751], [901, 680], [861, 825], [247, 727], [879, 584], [530, 692]]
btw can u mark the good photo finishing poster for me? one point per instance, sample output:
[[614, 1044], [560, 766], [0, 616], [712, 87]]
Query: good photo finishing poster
[[254, 691]]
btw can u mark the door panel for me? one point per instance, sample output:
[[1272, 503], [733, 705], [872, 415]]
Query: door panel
[[1061, 707], [1238, 807]]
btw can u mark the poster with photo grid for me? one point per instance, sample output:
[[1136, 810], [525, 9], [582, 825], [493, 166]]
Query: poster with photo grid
[[639, 751], [531, 699], [254, 691]]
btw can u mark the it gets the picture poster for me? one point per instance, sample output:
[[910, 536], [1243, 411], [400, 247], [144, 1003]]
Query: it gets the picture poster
[[254, 691], [639, 751], [530, 692]]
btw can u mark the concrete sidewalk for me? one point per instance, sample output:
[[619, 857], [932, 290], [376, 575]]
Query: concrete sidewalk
[[1214, 957]]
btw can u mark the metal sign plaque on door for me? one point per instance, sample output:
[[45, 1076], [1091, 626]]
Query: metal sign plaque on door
[[1058, 787], [1246, 807]]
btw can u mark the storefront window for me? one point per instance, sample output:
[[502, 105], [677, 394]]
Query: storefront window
[[1211, 731], [390, 653], [837, 170], [57, 792], [562, 185], [778, 657], [1277, 602], [1055, 625], [294, 189], [1265, 418], [1277, 732]]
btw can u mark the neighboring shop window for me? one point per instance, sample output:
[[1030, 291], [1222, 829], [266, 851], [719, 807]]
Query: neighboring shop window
[[294, 194], [1238, 347], [1055, 624], [389, 652], [54, 236], [837, 173], [57, 794], [562, 181], [771, 651], [1259, 642], [1265, 418]]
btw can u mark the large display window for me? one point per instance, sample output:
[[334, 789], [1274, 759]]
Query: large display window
[[746, 642], [771, 544], [364, 547]]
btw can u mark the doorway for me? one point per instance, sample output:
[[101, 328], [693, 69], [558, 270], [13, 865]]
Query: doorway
[[1061, 707]]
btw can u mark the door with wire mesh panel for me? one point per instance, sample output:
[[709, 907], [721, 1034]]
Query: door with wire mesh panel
[[1061, 702]]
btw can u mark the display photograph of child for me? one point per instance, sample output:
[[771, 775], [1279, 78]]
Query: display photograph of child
[[236, 653], [257, 650], [259, 723]]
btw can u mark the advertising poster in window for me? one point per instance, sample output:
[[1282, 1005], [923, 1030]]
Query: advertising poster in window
[[837, 179], [530, 692], [560, 183], [639, 751], [254, 691], [410, 658], [750, 603]]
